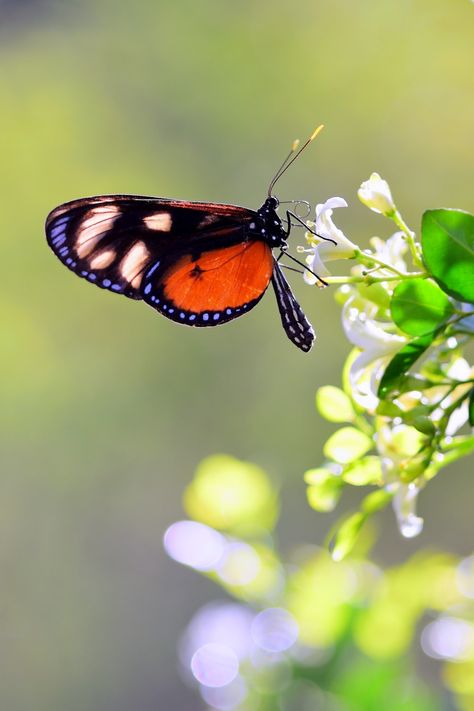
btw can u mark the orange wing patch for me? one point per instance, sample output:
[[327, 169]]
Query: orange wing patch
[[220, 279]]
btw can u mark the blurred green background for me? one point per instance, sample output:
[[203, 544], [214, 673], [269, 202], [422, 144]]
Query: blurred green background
[[107, 408]]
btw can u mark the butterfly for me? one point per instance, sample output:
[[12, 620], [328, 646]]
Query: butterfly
[[197, 263]]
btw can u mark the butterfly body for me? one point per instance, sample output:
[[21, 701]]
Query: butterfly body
[[199, 264]]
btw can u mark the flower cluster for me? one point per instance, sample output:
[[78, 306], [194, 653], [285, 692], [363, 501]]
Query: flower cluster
[[408, 392]]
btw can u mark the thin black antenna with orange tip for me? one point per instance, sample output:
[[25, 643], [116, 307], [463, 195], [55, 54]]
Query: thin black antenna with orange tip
[[290, 158]]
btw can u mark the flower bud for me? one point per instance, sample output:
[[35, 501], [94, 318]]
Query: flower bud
[[375, 193]]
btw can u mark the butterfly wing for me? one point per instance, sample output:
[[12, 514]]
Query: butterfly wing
[[296, 325], [210, 287], [114, 240]]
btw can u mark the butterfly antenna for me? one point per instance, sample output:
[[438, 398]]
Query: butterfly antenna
[[292, 156], [294, 147]]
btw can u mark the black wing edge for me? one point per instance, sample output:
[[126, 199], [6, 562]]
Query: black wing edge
[[296, 325], [152, 202]]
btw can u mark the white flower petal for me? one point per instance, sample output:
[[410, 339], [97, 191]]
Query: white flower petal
[[316, 265], [330, 204], [458, 419], [328, 242], [391, 251], [364, 375], [365, 333]]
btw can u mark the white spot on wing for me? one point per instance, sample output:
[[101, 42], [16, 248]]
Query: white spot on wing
[[131, 266], [96, 222], [103, 259], [160, 221], [208, 220]]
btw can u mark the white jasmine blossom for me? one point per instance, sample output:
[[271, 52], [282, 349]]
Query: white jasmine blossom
[[375, 193], [377, 347], [391, 251], [321, 250]]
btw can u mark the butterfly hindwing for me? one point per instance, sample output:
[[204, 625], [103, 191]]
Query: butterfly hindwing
[[210, 287], [296, 325], [113, 241]]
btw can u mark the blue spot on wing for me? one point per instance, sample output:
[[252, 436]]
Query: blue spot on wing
[[153, 269]]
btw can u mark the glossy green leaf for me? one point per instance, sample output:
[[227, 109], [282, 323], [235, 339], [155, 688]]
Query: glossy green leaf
[[471, 408], [447, 238], [334, 405], [418, 306], [346, 445], [402, 361]]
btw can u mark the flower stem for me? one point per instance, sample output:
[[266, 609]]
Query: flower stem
[[369, 279], [410, 237]]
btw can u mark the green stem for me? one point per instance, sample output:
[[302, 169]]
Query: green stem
[[410, 237], [461, 317], [369, 259], [452, 452], [371, 280]]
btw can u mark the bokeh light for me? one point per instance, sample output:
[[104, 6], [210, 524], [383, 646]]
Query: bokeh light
[[274, 630], [222, 623], [225, 697], [231, 495], [240, 565], [214, 665], [194, 544], [449, 638]]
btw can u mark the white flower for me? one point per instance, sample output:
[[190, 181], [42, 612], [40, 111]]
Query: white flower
[[377, 346], [321, 250], [391, 251], [375, 193]]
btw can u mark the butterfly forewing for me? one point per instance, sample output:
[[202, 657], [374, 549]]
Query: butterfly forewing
[[113, 241]]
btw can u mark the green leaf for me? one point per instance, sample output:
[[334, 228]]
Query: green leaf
[[346, 536], [366, 471], [334, 405], [447, 238], [415, 382], [423, 424], [387, 408], [401, 362], [419, 417], [347, 445], [324, 490], [419, 306], [471, 408]]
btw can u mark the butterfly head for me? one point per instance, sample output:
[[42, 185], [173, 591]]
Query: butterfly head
[[271, 227]]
